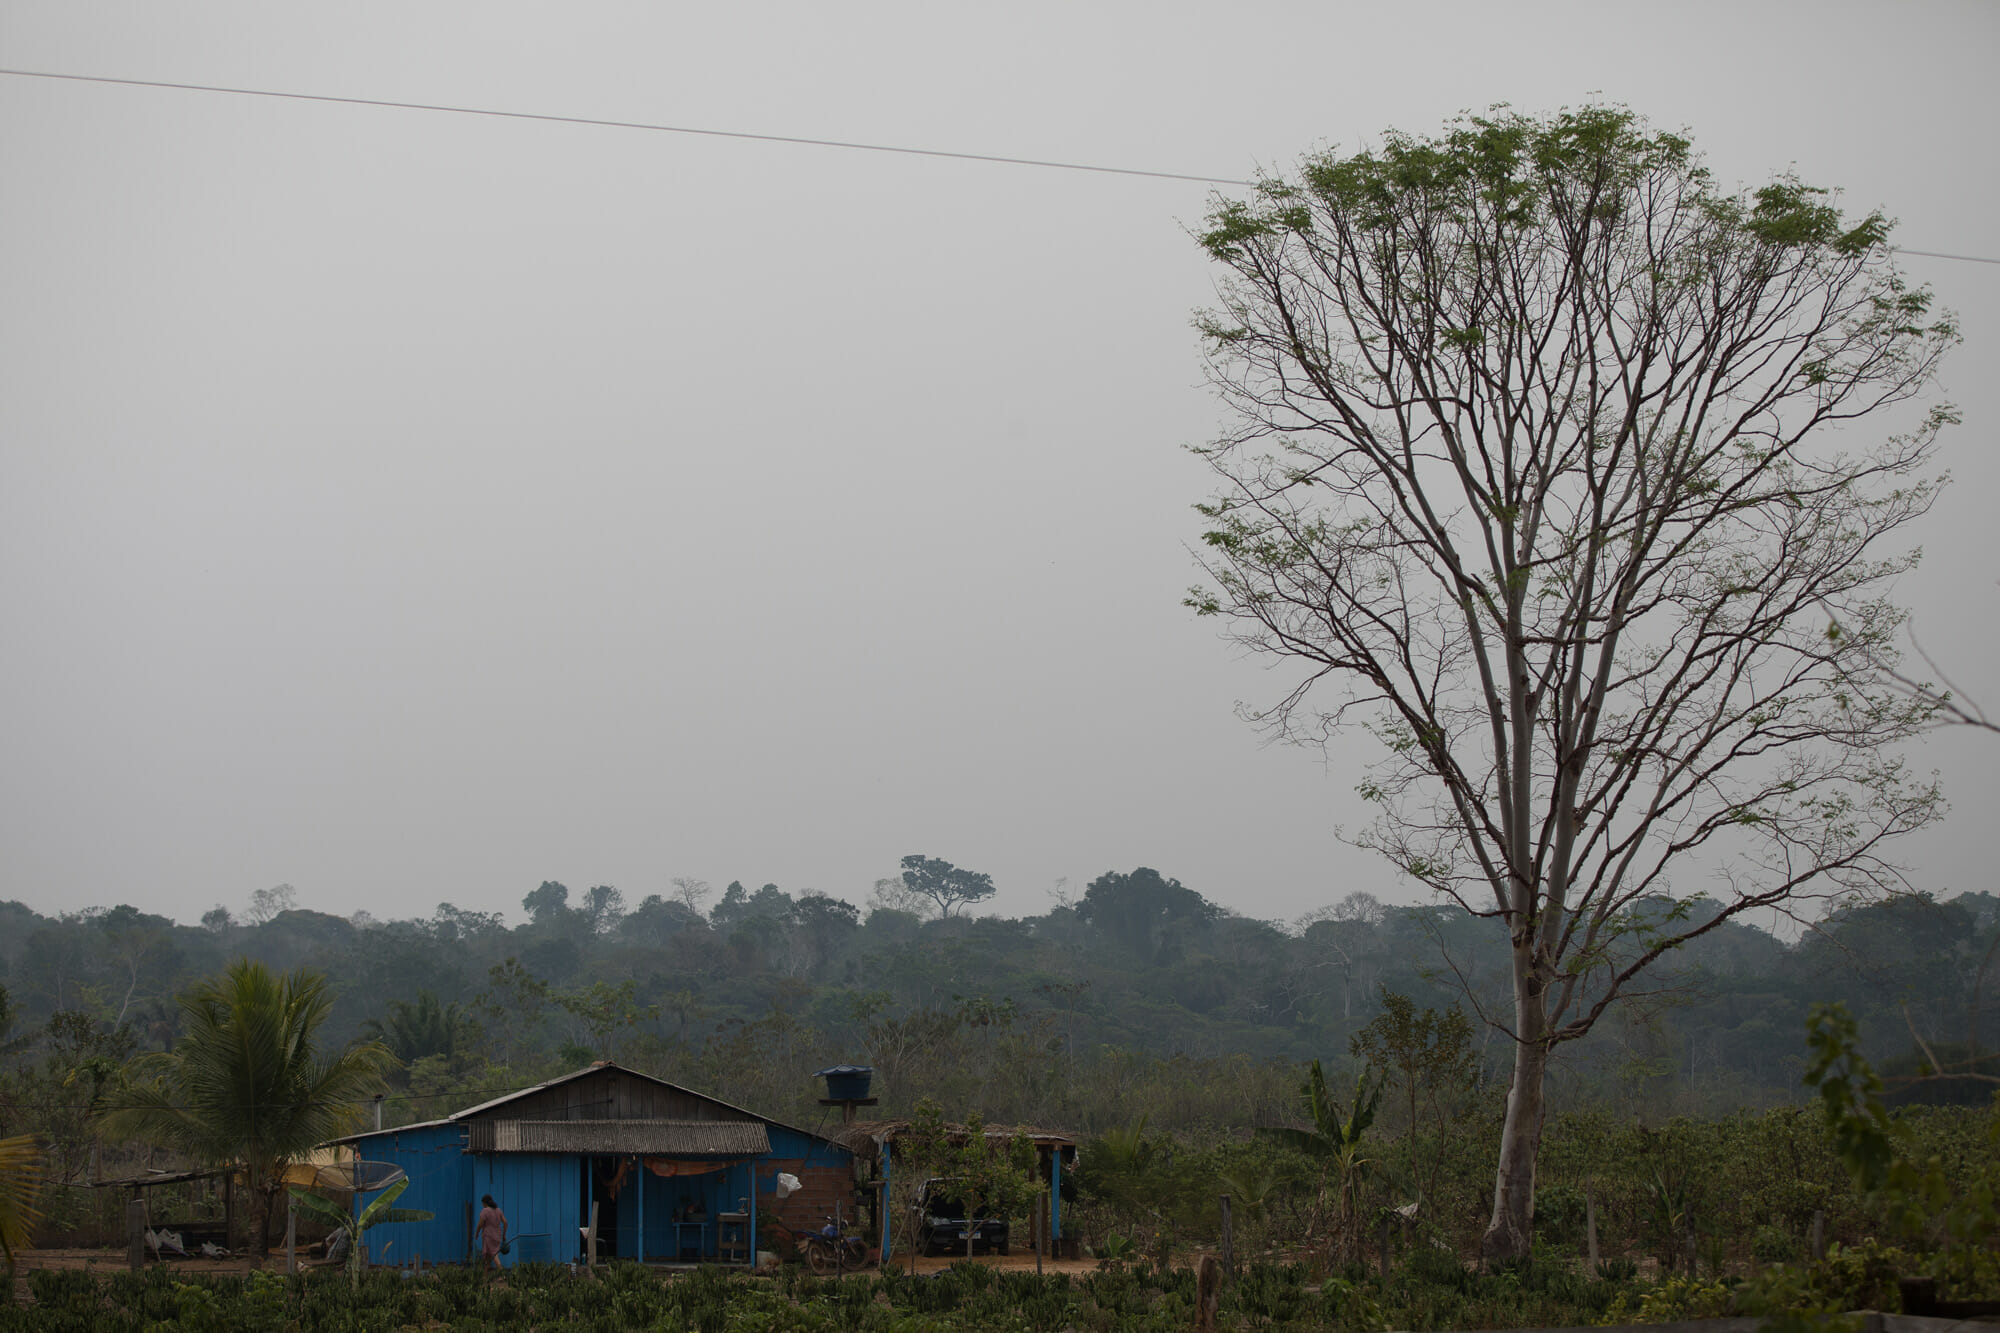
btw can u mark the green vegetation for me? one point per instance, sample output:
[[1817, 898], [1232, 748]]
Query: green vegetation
[[1137, 1000], [20, 1187], [1541, 471], [357, 1223], [1140, 997], [966, 1297], [250, 1080]]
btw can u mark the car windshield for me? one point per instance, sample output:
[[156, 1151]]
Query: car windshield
[[941, 1201]]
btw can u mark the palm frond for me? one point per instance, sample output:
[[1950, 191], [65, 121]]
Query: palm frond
[[21, 1167]]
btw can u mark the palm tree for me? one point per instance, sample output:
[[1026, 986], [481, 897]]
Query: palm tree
[[20, 1187], [248, 1082], [424, 1028]]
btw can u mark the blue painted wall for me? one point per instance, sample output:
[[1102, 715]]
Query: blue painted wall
[[544, 1197], [440, 1180], [793, 1143]]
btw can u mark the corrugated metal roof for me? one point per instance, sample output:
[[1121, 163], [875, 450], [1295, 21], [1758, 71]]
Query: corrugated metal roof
[[864, 1136], [602, 1066], [384, 1133], [664, 1138]]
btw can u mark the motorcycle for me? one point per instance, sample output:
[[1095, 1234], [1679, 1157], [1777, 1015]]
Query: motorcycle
[[830, 1250]]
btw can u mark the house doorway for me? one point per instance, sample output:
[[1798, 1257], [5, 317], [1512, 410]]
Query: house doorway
[[605, 1180]]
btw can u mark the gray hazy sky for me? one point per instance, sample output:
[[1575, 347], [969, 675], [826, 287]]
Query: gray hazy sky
[[412, 507]]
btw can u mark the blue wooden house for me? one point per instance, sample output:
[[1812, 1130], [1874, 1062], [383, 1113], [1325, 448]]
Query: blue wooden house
[[675, 1175]]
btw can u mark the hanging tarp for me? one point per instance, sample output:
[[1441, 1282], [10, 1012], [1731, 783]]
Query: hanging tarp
[[608, 1138], [682, 1166]]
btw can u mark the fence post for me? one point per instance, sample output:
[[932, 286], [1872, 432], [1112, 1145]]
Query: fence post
[[1207, 1293], [1228, 1239], [1817, 1244], [135, 1233], [1041, 1227]]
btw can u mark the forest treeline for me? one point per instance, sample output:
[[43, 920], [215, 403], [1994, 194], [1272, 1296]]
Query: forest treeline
[[1137, 996]]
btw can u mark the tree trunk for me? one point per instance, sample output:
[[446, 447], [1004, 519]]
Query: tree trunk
[[267, 1200], [1510, 1235]]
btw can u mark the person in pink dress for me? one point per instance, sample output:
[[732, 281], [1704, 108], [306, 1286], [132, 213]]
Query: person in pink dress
[[491, 1230]]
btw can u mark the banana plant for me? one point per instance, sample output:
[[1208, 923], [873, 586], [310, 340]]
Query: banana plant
[[1334, 1140], [356, 1224]]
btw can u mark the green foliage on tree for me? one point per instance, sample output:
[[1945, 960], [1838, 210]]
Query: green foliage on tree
[[1932, 1207], [1527, 478], [548, 904], [427, 1028], [993, 1176], [21, 1171], [952, 889], [379, 1211], [1153, 918], [1332, 1139], [1430, 1057], [252, 1080]]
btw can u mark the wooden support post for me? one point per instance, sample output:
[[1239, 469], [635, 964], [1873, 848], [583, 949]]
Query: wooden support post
[[291, 1236], [1590, 1225], [1041, 1230], [1228, 1239], [590, 1239], [1816, 1243], [1207, 1293], [228, 1208], [135, 1232]]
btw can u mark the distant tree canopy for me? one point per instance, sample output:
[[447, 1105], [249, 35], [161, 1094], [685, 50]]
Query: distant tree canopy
[[951, 888], [548, 903], [1145, 998], [1151, 917]]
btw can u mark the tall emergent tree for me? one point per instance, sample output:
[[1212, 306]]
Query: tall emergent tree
[[1545, 470], [249, 1081], [945, 884]]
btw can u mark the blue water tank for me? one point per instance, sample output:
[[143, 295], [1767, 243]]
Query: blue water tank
[[847, 1083]]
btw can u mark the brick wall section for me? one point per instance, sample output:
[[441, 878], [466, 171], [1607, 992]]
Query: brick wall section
[[810, 1206]]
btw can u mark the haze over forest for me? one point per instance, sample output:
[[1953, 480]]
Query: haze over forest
[[397, 504], [1140, 992]]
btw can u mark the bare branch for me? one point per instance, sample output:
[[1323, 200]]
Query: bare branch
[[1534, 474]]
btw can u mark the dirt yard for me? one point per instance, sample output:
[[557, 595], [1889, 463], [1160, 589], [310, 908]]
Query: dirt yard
[[113, 1261]]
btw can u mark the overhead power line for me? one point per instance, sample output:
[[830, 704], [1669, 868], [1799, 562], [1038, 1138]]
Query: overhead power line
[[635, 125], [801, 140], [1934, 254]]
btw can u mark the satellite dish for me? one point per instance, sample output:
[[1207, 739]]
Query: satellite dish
[[357, 1177]]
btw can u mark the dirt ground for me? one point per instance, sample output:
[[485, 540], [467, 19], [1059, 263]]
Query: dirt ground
[[1015, 1262], [113, 1261]]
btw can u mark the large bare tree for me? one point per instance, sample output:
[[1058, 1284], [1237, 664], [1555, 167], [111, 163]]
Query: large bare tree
[[1545, 468]]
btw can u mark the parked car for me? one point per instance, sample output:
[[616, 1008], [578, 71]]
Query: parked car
[[947, 1221]]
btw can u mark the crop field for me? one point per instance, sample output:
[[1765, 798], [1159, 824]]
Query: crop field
[[1426, 1292], [1137, 1299]]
